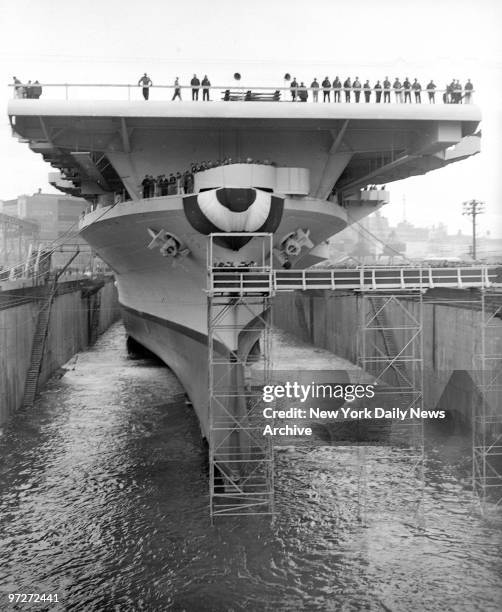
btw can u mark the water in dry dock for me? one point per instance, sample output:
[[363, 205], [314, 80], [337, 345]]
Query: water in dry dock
[[103, 500]]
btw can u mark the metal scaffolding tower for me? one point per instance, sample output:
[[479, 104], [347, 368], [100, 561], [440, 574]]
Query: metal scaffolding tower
[[239, 298], [393, 355], [486, 414], [240, 456]]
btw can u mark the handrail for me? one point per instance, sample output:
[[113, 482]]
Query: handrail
[[243, 279], [242, 89], [232, 87]]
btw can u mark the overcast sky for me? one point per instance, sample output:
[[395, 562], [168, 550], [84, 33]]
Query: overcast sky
[[115, 41]]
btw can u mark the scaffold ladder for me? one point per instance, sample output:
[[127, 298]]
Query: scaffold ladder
[[393, 356], [241, 479], [38, 344], [486, 413]]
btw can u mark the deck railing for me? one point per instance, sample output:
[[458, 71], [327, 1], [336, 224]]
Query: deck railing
[[249, 280], [162, 92]]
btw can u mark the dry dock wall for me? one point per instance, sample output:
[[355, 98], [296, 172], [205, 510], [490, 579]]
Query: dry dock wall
[[451, 340], [70, 330]]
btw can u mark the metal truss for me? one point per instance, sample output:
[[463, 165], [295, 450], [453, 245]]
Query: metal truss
[[487, 413], [241, 478], [392, 354]]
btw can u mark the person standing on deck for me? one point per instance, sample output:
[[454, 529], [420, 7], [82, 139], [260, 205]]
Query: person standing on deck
[[146, 82], [337, 86], [171, 188], [398, 90], [347, 86], [18, 88], [357, 89], [367, 91], [315, 90], [430, 90], [326, 89], [294, 89], [386, 90], [145, 184], [36, 90], [177, 89], [407, 90], [458, 92], [153, 186], [417, 88], [206, 84], [468, 88], [195, 83], [378, 92]]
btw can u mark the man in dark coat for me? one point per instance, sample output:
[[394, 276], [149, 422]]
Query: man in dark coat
[[367, 91], [337, 86], [326, 85], [36, 90], [303, 93], [378, 92], [386, 90], [163, 184], [347, 86], [417, 88], [407, 90], [145, 184], [356, 86], [172, 184], [205, 88], [195, 83], [294, 87]]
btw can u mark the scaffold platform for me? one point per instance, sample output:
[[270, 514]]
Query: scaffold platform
[[392, 354], [251, 280]]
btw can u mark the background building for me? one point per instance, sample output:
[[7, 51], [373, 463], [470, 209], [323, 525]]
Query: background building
[[46, 220]]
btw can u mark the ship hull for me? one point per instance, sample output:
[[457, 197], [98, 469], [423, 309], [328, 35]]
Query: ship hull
[[163, 299], [183, 350]]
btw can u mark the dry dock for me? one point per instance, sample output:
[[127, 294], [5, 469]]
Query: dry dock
[[81, 310]]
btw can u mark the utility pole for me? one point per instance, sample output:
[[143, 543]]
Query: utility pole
[[473, 208]]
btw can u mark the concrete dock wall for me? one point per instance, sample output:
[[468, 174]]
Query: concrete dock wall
[[70, 330], [451, 340]]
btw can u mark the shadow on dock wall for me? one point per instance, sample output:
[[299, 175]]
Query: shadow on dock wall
[[451, 340], [72, 327]]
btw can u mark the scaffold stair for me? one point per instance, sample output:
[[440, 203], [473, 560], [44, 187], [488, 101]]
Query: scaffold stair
[[38, 345]]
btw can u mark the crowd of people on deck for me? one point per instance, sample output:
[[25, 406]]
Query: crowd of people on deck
[[347, 91], [182, 183], [164, 185], [352, 90], [145, 82], [29, 90]]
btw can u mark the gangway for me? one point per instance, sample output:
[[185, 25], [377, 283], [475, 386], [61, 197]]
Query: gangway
[[397, 352], [244, 280]]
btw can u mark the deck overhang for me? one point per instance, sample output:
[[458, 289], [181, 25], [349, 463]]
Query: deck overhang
[[344, 146]]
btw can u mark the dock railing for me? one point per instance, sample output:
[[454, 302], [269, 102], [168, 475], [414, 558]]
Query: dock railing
[[233, 92], [242, 280]]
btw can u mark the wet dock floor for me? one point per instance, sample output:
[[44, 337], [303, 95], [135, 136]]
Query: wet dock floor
[[104, 501]]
